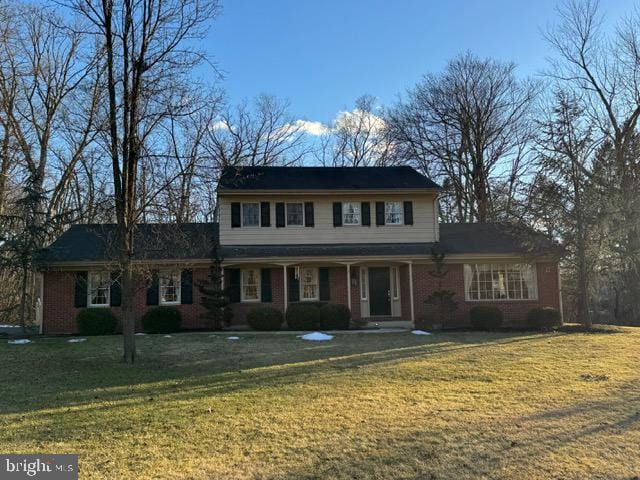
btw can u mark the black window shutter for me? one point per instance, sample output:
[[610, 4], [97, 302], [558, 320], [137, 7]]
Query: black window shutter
[[379, 213], [153, 291], [365, 211], [408, 213], [235, 215], [294, 285], [80, 298], [186, 287], [265, 285], [280, 215], [232, 282], [115, 295], [323, 279], [308, 214], [337, 214], [265, 214]]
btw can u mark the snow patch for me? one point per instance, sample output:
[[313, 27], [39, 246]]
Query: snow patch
[[168, 336], [316, 337], [21, 341], [420, 332], [140, 333], [76, 340], [233, 338]]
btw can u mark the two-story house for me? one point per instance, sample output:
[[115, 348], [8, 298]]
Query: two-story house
[[362, 237]]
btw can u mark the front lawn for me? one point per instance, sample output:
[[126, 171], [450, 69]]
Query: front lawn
[[363, 406]]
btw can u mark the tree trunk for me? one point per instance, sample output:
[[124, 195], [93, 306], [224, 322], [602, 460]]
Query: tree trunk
[[128, 311]]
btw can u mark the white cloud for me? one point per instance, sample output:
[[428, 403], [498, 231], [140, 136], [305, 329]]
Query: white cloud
[[359, 118], [218, 125], [315, 129]]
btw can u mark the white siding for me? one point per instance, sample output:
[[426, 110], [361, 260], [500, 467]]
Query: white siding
[[422, 230]]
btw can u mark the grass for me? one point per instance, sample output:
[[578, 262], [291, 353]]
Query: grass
[[370, 406]]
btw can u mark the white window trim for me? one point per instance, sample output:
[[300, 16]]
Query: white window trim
[[364, 284], [286, 214], [242, 215], [359, 214], [165, 273], [317, 284], [532, 298], [401, 216], [90, 304], [243, 299]]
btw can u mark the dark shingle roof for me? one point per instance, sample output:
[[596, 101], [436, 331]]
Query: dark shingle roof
[[193, 241], [323, 178], [153, 241]]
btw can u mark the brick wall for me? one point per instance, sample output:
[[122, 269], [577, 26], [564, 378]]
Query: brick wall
[[59, 312], [514, 311]]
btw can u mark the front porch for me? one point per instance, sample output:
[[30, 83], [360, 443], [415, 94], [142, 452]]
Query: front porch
[[379, 291]]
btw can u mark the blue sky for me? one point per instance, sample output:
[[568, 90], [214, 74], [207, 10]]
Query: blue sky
[[322, 55]]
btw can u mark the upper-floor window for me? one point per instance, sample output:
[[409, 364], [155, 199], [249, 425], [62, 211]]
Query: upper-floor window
[[251, 214], [250, 288], [99, 289], [169, 286], [295, 215], [500, 281], [309, 289], [350, 213], [393, 213]]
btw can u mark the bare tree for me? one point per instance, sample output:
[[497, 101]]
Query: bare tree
[[357, 138], [263, 133], [605, 70], [469, 126], [145, 47]]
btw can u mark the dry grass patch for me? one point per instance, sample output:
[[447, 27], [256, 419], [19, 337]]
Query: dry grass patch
[[452, 405]]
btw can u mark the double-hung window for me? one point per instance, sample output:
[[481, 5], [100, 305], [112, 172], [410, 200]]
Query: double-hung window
[[250, 288], [350, 213], [516, 281], [393, 213], [99, 289], [309, 289], [295, 215], [169, 284], [251, 214]]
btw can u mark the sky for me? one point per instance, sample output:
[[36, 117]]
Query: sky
[[322, 55]]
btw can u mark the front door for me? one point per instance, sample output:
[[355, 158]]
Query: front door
[[379, 291]]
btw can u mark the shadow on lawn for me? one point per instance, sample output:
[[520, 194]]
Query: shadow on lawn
[[231, 369]]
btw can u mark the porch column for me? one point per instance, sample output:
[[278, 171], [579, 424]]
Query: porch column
[[286, 287], [413, 317], [349, 286]]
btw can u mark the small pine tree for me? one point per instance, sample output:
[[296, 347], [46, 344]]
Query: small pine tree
[[441, 300], [213, 296]]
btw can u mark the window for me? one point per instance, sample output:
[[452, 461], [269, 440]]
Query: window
[[364, 284], [250, 214], [500, 282], [309, 284], [350, 213], [393, 213], [169, 284], [250, 285], [99, 289], [395, 283], [294, 214]]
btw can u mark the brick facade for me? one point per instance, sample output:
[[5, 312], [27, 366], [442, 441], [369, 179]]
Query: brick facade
[[59, 312]]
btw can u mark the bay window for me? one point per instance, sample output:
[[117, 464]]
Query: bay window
[[504, 281]]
